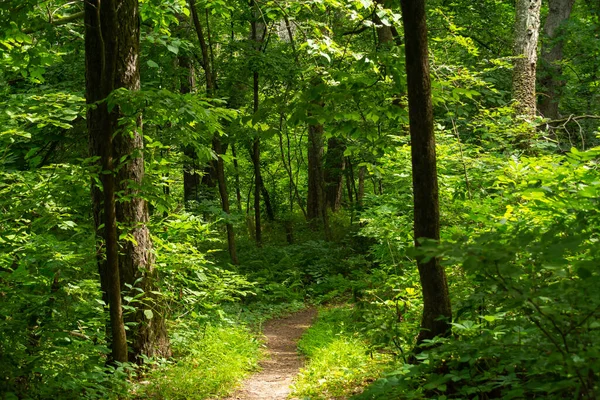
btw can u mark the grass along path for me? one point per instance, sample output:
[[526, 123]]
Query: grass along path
[[283, 361]]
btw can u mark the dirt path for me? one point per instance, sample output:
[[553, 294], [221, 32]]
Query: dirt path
[[282, 363]]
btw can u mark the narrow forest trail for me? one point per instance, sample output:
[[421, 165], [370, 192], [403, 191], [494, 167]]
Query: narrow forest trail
[[283, 361]]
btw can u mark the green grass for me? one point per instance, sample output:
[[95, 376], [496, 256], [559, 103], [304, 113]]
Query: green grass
[[339, 363], [215, 362]]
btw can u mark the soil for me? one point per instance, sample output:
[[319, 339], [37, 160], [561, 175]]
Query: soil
[[282, 363]]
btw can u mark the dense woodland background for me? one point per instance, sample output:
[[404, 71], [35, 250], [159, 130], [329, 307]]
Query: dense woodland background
[[174, 173]]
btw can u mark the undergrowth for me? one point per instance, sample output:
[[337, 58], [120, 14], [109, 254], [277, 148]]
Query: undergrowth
[[210, 363], [339, 362]]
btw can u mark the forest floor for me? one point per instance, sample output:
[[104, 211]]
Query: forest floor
[[283, 362]]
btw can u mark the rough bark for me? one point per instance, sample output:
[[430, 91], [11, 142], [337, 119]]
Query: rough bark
[[527, 25], [552, 53], [333, 174], [436, 301], [100, 49], [112, 52]]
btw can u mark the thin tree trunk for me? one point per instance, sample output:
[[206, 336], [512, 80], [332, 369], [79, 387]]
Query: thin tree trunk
[[333, 175], [552, 53], [314, 202], [217, 167], [225, 199], [238, 193], [527, 25], [257, 38], [436, 301], [362, 172], [350, 181]]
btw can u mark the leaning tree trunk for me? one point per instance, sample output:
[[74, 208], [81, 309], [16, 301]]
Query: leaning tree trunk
[[552, 53], [436, 301], [112, 54], [333, 174], [527, 25]]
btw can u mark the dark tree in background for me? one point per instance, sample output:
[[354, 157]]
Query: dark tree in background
[[112, 62], [552, 53], [437, 312]]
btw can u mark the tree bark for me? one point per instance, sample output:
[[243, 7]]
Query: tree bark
[[552, 53], [314, 201], [257, 37], [527, 25], [436, 301], [112, 53], [225, 199], [360, 195], [238, 193], [333, 175]]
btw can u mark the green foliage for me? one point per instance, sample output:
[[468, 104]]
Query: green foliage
[[528, 324], [211, 361], [52, 330], [339, 362]]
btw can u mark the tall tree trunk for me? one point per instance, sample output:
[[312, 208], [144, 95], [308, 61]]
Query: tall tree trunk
[[333, 174], [436, 301], [552, 53], [112, 53], [314, 201], [257, 36], [100, 49], [217, 168], [527, 25], [238, 192], [225, 199], [360, 195]]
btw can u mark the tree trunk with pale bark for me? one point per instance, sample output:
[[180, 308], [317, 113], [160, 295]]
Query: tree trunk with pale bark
[[527, 26]]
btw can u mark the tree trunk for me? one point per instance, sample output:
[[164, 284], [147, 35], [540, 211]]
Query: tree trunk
[[191, 169], [333, 175], [436, 300], [112, 53], [225, 198], [552, 53], [362, 172], [257, 37], [216, 168], [527, 25], [314, 201], [238, 192], [100, 124]]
